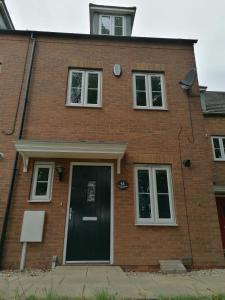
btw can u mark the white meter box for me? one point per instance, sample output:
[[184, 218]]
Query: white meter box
[[33, 226]]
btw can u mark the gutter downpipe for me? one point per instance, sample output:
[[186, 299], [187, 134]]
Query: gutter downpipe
[[13, 177]]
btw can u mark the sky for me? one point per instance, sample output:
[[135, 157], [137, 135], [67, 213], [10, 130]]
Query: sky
[[195, 19]]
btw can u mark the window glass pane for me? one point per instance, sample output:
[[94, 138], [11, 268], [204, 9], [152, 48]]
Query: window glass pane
[[41, 189], [92, 80], [105, 25], [143, 181], [224, 144], [140, 83], [217, 153], [140, 91], [141, 98], [119, 31], [216, 143], [92, 97], [156, 83], [119, 21], [76, 79], [161, 181], [43, 174], [164, 207], [157, 99], [217, 149], [144, 206], [75, 95]]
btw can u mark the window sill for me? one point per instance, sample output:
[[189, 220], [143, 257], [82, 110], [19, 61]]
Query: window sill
[[83, 106], [159, 224], [39, 201], [152, 109], [219, 160]]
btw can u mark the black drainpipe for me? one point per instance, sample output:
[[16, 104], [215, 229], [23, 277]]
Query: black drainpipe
[[13, 177]]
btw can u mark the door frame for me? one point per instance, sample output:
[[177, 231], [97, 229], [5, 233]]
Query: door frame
[[111, 165], [222, 195]]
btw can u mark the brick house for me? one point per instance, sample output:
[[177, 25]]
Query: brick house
[[105, 156], [213, 107], [5, 19]]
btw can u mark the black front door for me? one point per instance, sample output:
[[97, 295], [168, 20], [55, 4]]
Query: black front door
[[89, 214]]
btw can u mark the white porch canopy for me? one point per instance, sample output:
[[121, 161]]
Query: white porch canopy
[[74, 150]]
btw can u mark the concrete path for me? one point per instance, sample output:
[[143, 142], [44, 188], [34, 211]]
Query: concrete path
[[82, 281]]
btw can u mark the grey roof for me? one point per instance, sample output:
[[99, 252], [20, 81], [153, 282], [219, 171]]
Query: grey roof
[[215, 102], [98, 37]]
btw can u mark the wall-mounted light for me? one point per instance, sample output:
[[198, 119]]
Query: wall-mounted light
[[60, 171], [1, 155], [187, 163], [117, 70]]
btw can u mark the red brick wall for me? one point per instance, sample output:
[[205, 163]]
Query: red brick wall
[[152, 137], [12, 57], [216, 126]]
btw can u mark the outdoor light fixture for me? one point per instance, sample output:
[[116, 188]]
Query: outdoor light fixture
[[1, 155], [60, 171], [117, 70], [187, 163]]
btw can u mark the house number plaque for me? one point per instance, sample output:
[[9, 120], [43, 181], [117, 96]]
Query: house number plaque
[[122, 184]]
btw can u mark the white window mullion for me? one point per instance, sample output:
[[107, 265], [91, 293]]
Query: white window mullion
[[136, 195], [149, 88], [112, 25], [170, 191], [99, 89], [155, 195], [124, 26], [222, 148], [147, 91], [152, 196], [69, 89], [85, 87], [163, 91]]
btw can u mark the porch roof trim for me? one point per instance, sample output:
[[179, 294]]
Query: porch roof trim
[[80, 150]]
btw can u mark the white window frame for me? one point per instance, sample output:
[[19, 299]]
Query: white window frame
[[155, 220], [148, 86], [220, 138], [112, 25], [47, 197], [84, 88]]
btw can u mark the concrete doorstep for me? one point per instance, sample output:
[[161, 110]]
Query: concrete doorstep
[[87, 281]]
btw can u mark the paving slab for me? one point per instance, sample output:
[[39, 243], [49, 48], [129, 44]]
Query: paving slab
[[87, 281]]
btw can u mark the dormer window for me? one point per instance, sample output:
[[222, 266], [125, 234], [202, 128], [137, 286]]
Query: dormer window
[[111, 20], [112, 25]]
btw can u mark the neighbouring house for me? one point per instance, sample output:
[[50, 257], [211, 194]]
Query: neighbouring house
[[5, 20], [105, 157], [213, 107]]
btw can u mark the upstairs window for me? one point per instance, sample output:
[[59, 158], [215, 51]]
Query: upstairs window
[[218, 144], [112, 25], [149, 91], [84, 88], [154, 197]]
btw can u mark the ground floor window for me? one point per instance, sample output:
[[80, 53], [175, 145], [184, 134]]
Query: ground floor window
[[42, 181], [154, 195]]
